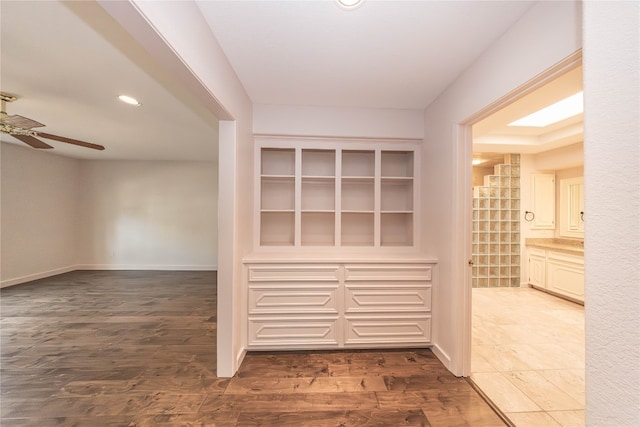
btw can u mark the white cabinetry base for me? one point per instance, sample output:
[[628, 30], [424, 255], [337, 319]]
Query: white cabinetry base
[[558, 273], [316, 305]]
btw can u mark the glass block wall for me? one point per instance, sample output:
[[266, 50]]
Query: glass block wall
[[496, 227]]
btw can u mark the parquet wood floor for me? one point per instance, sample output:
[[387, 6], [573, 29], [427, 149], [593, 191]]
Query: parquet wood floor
[[97, 348]]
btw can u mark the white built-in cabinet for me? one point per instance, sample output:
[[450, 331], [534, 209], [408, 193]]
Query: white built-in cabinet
[[537, 267], [558, 272], [327, 193], [572, 207], [335, 261], [309, 305], [543, 201]]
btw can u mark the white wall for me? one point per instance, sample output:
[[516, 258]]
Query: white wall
[[612, 203], [547, 33], [570, 156], [61, 214], [39, 202], [148, 215], [337, 122]]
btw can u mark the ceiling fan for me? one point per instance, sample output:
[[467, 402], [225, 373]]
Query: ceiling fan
[[21, 128]]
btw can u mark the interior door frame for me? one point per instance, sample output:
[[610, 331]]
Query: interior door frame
[[463, 207]]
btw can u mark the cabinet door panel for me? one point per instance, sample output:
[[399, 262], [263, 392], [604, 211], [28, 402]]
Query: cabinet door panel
[[388, 330], [292, 300], [387, 272], [566, 278], [543, 191], [395, 297], [537, 273], [293, 273], [278, 332]]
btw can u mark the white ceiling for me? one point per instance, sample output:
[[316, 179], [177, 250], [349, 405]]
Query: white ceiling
[[384, 54], [67, 62], [492, 134]]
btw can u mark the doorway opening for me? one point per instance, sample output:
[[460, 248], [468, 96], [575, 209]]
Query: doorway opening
[[527, 322]]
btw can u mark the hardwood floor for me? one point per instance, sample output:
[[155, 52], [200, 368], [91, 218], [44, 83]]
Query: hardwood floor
[[138, 349]]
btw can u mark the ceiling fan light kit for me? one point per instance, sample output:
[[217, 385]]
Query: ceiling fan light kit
[[21, 128], [350, 4], [129, 100]]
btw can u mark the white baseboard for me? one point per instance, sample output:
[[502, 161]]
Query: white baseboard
[[442, 356], [240, 357], [55, 272], [36, 276], [149, 267]]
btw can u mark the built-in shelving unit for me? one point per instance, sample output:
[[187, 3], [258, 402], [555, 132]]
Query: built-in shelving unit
[[336, 193], [336, 263], [277, 196]]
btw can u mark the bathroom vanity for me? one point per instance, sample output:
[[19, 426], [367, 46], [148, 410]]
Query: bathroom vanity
[[556, 265]]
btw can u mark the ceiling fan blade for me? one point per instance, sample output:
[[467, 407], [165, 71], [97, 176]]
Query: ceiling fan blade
[[71, 141], [20, 122], [34, 142]]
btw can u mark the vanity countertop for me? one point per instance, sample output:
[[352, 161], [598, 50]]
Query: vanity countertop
[[570, 246]]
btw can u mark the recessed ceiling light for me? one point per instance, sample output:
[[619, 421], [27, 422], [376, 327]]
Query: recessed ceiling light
[[350, 4], [554, 113], [129, 100]]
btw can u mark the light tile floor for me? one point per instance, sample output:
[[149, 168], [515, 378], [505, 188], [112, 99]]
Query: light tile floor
[[528, 355]]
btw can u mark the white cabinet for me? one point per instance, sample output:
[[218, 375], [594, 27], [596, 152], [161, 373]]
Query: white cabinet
[[293, 306], [572, 207], [387, 304], [335, 262], [313, 192], [543, 201], [338, 305], [537, 267], [565, 275], [557, 272]]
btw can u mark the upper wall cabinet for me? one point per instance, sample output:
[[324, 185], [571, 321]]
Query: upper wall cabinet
[[543, 202], [572, 207], [313, 192]]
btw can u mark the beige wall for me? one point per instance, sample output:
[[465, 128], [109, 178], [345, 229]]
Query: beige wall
[[479, 173], [39, 209], [60, 214], [148, 215]]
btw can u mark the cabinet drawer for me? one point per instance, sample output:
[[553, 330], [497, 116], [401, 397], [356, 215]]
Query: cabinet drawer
[[316, 299], [388, 330], [387, 272], [293, 332], [537, 252], [398, 297], [559, 257], [293, 273]]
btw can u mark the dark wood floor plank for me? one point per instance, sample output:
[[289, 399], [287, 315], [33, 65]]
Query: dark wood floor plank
[[371, 418], [129, 348]]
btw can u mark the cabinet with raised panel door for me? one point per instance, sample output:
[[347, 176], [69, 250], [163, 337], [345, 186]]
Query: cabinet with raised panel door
[[336, 262], [558, 272], [333, 304]]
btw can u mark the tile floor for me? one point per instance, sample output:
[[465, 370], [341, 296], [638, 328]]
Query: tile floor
[[528, 355]]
